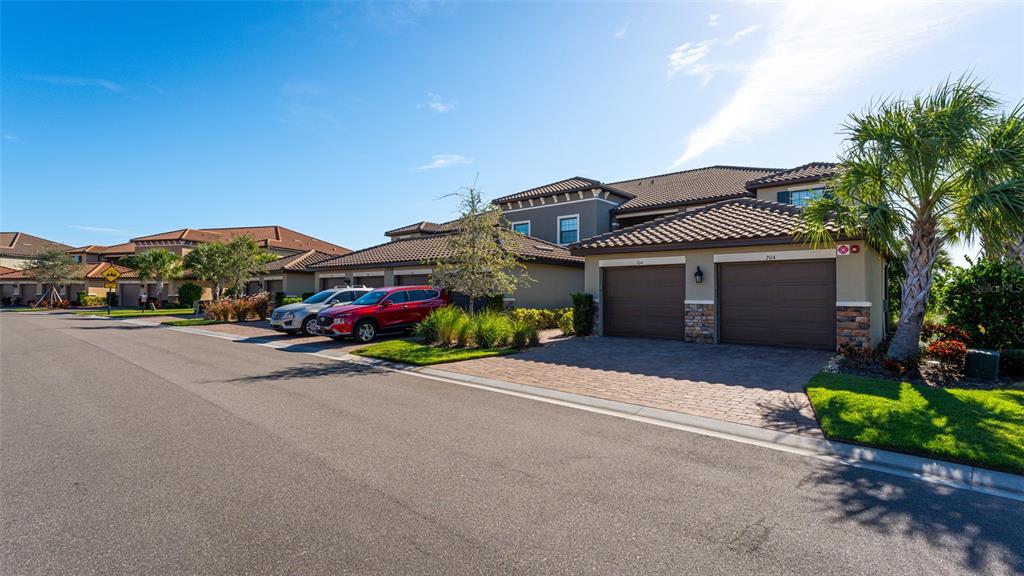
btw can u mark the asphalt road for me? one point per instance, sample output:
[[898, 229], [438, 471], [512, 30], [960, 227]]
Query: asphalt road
[[134, 450]]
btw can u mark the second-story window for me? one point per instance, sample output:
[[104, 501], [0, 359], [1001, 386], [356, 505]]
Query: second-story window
[[800, 197], [568, 229], [521, 228]]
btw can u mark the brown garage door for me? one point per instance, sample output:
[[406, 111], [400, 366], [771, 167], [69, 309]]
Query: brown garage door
[[129, 295], [644, 301], [412, 280], [778, 303], [369, 281]]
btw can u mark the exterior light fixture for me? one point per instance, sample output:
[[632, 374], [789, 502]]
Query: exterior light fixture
[[698, 275]]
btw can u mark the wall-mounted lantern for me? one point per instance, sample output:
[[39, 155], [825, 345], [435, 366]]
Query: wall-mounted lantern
[[698, 275]]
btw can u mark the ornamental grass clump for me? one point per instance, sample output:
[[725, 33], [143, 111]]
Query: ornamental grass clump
[[490, 329]]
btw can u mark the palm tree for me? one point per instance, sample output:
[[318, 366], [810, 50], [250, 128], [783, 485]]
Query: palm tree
[[157, 264], [922, 174]]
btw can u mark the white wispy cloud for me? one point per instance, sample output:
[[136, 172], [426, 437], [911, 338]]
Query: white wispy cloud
[[741, 33], [444, 161], [11, 137], [76, 81], [814, 52], [437, 103], [621, 31], [99, 229], [689, 59], [713, 20]]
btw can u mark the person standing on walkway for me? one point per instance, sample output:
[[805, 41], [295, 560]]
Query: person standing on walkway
[[142, 299]]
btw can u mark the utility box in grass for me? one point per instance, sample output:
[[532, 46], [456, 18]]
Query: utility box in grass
[[982, 364]]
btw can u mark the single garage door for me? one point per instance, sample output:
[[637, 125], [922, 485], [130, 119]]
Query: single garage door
[[129, 295], [644, 301], [328, 283], [778, 303], [369, 281], [412, 280]]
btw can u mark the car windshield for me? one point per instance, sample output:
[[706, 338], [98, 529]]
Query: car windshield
[[319, 297], [371, 298]]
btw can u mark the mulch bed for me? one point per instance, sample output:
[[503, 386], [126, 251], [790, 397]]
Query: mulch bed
[[928, 374]]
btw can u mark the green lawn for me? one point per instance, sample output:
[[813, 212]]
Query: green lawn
[[981, 427], [31, 309], [411, 352], [128, 313], [192, 322]]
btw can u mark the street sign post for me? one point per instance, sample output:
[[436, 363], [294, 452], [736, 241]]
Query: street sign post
[[111, 275]]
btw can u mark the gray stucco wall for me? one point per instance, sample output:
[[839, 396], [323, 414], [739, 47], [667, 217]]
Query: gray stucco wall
[[593, 212]]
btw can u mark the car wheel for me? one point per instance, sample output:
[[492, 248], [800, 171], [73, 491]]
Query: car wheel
[[365, 331], [307, 326]]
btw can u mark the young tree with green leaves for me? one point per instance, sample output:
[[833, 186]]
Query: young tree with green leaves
[[921, 174], [244, 259], [55, 268], [209, 262], [157, 264], [479, 261]]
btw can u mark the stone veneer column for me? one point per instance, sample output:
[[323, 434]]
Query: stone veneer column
[[853, 327], [700, 323]]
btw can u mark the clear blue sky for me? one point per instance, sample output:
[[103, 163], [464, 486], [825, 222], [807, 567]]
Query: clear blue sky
[[345, 120]]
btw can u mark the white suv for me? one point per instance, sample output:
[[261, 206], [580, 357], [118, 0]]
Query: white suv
[[300, 317]]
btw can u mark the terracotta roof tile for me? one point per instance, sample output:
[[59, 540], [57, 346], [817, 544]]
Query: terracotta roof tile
[[299, 262], [429, 248], [82, 271], [688, 187], [267, 236], [807, 173], [21, 244], [423, 227], [568, 185], [726, 221], [125, 248]]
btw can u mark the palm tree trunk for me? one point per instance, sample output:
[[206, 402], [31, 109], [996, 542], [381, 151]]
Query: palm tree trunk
[[923, 248], [1015, 252]]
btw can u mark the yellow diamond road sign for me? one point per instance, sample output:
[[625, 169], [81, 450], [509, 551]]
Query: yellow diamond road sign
[[111, 274]]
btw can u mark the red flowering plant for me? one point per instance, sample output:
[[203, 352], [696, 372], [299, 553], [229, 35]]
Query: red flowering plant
[[935, 331], [951, 354]]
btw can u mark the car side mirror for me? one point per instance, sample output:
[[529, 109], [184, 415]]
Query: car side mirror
[[385, 304]]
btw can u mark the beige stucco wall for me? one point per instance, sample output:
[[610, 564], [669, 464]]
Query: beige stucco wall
[[552, 287], [16, 263], [859, 277]]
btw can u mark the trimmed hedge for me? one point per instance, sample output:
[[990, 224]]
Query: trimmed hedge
[[583, 314]]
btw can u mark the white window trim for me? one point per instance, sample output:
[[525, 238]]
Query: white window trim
[[853, 303], [527, 222], [777, 256], [558, 228], [698, 301], [652, 261]]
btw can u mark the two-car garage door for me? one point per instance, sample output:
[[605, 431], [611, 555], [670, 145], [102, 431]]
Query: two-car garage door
[[789, 303], [776, 303]]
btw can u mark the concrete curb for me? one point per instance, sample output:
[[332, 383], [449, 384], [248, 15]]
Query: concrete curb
[[963, 476], [950, 473]]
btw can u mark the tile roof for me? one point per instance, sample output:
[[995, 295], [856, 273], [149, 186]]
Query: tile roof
[[568, 185], [82, 271], [6, 269], [695, 186], [725, 222], [125, 248], [423, 227], [21, 244], [299, 262], [435, 247], [267, 236], [807, 173]]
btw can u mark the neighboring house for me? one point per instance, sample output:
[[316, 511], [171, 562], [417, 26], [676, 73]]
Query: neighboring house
[[20, 286], [93, 254], [289, 275], [731, 271], [17, 249], [278, 240], [406, 260]]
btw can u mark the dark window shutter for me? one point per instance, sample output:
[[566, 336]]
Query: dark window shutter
[[783, 197]]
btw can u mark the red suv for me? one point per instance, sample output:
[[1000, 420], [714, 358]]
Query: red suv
[[383, 310]]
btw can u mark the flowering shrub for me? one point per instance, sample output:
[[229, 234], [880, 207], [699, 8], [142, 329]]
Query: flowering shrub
[[934, 330], [951, 354]]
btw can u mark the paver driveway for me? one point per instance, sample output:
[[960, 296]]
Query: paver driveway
[[753, 385]]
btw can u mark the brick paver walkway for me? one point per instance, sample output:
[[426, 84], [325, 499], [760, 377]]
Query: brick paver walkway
[[753, 385]]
